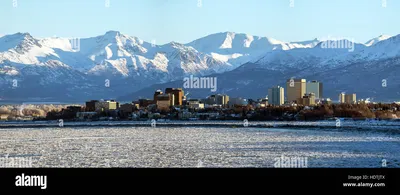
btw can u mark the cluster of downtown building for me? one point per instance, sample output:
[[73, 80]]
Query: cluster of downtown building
[[301, 92], [170, 100], [165, 101], [298, 92]]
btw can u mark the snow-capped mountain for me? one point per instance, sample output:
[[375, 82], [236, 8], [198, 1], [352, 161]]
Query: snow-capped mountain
[[56, 68], [122, 59], [377, 40], [341, 65], [90, 61], [325, 55], [22, 48], [238, 48], [388, 48], [23, 57], [118, 54]]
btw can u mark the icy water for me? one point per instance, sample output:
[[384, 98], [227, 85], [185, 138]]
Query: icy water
[[198, 147]]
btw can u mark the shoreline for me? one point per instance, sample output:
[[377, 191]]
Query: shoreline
[[379, 126]]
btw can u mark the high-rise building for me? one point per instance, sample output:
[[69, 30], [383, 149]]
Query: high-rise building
[[348, 98], [316, 88], [164, 101], [276, 96], [91, 106], [158, 92], [211, 100], [145, 102], [195, 104], [296, 88], [307, 100], [106, 105], [218, 99], [127, 108], [221, 99], [342, 97], [177, 95]]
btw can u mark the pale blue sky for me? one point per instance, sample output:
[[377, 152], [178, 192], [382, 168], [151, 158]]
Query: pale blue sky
[[184, 21]]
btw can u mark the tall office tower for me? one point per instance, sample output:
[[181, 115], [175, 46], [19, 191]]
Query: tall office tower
[[307, 100], [316, 88], [276, 96], [350, 98], [296, 88], [158, 92], [342, 98], [221, 99], [164, 101], [178, 95]]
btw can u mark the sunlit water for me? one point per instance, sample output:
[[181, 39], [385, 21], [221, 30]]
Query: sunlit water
[[198, 147]]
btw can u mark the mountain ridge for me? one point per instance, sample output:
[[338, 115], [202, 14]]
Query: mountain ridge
[[132, 64]]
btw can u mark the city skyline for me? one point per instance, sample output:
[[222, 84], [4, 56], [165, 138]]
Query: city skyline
[[296, 90]]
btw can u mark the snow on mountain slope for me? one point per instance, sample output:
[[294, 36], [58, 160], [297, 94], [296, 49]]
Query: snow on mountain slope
[[306, 44], [127, 56], [388, 48], [382, 50], [130, 57], [57, 43], [192, 61], [230, 43], [24, 49], [112, 53], [128, 60], [118, 54], [377, 40], [112, 45], [237, 48], [326, 54]]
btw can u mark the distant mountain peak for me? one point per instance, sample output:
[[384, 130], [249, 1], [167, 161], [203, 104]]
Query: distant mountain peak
[[19, 36], [377, 40], [383, 36], [113, 33], [128, 59]]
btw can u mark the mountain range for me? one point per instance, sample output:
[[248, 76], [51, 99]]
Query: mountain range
[[122, 67]]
